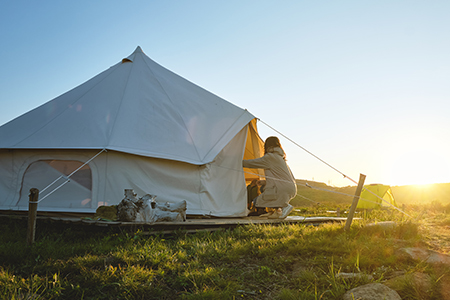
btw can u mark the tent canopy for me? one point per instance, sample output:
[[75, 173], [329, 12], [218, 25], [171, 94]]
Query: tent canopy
[[137, 107], [166, 136], [371, 194]]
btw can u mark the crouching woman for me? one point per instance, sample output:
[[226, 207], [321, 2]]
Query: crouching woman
[[280, 183]]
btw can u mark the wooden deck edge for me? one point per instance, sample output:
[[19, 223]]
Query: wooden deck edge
[[188, 225]]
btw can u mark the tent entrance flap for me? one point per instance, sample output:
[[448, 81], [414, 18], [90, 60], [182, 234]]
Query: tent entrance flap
[[77, 193], [254, 148]]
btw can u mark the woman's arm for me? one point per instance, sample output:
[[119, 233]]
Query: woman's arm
[[257, 163]]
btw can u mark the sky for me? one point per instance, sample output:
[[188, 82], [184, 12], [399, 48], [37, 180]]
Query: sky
[[363, 85]]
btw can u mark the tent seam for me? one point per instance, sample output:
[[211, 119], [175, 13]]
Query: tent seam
[[121, 103], [178, 113], [64, 110], [156, 155], [226, 132]]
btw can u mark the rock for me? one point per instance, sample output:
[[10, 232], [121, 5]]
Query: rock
[[428, 256], [372, 291], [444, 288], [106, 212]]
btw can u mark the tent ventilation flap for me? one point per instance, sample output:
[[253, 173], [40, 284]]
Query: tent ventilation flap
[[126, 60]]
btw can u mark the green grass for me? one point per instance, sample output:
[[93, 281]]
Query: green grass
[[249, 262]]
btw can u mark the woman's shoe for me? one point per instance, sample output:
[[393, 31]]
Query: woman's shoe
[[267, 214], [276, 214], [286, 211]]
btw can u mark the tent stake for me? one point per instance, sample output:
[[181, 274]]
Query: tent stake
[[32, 212], [362, 178]]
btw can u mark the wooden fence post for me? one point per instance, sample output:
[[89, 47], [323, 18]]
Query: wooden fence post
[[32, 212], [362, 178]]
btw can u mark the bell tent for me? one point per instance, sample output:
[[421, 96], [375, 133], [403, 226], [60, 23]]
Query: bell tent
[[134, 126], [372, 195]]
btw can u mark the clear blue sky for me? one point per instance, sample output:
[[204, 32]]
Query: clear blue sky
[[365, 85]]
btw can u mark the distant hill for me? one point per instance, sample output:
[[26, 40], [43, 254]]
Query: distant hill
[[311, 192]]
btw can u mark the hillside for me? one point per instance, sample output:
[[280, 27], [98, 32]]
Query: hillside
[[319, 192]]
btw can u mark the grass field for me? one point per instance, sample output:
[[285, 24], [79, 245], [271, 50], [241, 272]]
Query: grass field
[[248, 262]]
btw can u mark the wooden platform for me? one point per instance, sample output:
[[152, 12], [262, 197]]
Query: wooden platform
[[210, 223], [190, 225]]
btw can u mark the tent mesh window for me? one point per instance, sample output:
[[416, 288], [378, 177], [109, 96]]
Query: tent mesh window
[[75, 191]]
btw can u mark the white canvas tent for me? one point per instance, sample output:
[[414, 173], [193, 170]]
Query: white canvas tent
[[139, 126]]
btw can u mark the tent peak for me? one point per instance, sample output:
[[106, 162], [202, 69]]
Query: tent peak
[[131, 57], [138, 49]]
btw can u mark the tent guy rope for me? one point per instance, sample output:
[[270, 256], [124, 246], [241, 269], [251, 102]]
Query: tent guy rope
[[277, 179], [309, 152], [329, 165], [311, 187]]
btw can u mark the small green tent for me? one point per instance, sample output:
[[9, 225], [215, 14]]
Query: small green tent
[[372, 194]]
